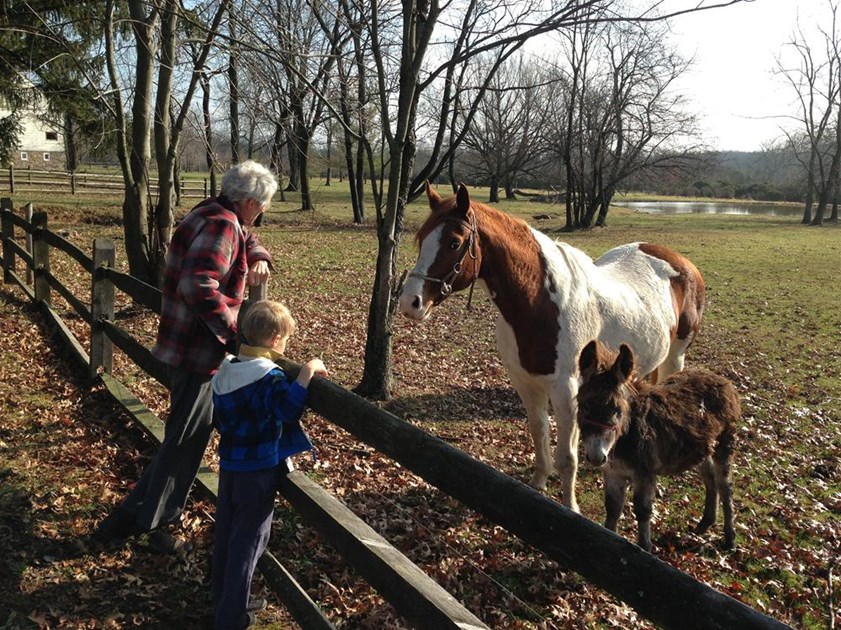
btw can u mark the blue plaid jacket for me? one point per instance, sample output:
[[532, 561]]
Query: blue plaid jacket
[[257, 412]]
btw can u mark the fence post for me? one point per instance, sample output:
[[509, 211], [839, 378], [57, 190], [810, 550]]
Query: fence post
[[205, 187], [73, 183], [27, 214], [40, 257], [12, 179], [258, 292], [8, 235], [102, 306]]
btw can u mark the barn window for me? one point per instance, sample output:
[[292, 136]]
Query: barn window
[[46, 157], [52, 135], [24, 156]]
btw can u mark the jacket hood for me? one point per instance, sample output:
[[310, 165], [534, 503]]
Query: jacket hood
[[232, 376]]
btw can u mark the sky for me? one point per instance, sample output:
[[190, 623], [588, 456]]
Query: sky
[[732, 84]]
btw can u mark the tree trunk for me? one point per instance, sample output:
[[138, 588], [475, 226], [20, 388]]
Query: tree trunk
[[493, 193], [233, 85], [136, 221], [377, 374], [294, 172], [810, 191], [208, 133], [71, 150], [329, 152], [163, 217]]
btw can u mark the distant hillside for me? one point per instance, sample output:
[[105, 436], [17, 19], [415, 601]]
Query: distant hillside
[[763, 175]]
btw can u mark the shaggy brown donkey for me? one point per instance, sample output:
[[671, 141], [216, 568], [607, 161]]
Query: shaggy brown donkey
[[638, 431]]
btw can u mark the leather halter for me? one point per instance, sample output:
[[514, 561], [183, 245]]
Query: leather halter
[[467, 247]]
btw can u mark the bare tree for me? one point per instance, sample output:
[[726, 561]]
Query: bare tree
[[815, 78], [621, 114], [506, 133]]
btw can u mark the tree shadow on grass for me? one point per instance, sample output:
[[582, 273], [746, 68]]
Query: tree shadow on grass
[[460, 404]]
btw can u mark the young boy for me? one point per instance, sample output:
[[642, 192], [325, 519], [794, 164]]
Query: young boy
[[257, 411]]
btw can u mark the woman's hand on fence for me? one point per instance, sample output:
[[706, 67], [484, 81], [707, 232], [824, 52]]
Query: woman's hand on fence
[[259, 273]]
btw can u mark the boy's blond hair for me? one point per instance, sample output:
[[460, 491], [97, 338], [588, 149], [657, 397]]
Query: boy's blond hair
[[265, 319]]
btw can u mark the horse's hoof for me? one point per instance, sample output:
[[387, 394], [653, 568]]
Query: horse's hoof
[[538, 483]]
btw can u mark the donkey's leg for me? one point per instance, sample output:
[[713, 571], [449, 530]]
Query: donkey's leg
[[566, 450], [674, 360], [724, 483], [711, 501], [536, 401], [644, 489], [615, 491]]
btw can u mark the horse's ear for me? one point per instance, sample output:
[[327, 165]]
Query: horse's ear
[[624, 365], [588, 359], [432, 195], [462, 200]]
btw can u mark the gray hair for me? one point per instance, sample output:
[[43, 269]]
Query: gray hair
[[249, 180]]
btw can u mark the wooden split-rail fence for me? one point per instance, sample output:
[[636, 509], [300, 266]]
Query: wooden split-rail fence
[[655, 589], [29, 181]]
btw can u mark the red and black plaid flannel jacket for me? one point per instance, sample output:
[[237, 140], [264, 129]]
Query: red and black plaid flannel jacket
[[204, 283]]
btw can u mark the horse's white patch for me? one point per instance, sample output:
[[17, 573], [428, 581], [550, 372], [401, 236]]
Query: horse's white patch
[[410, 302]]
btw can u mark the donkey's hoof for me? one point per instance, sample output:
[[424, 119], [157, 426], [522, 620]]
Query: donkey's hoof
[[703, 526]]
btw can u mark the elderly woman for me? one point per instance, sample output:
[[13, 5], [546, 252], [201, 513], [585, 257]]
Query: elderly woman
[[211, 257]]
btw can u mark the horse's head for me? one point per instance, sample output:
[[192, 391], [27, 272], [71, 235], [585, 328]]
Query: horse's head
[[603, 398], [449, 258]]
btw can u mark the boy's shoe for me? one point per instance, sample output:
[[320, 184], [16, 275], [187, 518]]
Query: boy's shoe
[[249, 620], [256, 604], [166, 544]]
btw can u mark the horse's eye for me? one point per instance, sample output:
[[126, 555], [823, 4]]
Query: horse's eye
[[454, 244]]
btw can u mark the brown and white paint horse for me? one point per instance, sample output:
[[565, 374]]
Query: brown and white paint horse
[[552, 299]]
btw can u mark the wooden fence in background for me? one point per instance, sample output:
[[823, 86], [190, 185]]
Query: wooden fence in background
[[658, 591], [32, 181]]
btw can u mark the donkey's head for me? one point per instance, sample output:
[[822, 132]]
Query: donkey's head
[[603, 398]]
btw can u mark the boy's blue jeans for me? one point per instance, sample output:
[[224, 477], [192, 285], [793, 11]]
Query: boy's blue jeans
[[244, 511]]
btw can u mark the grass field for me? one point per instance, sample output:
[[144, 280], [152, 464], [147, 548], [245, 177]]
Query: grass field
[[772, 325]]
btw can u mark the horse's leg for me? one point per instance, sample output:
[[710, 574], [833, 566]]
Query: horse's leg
[[644, 489], [536, 402], [674, 359], [711, 501], [566, 450], [615, 490]]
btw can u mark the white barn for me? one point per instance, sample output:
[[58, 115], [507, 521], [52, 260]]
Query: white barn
[[41, 144]]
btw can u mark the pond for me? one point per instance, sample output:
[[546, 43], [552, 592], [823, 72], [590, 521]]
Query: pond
[[711, 207]]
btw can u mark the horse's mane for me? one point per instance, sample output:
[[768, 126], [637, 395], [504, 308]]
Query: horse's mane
[[444, 208]]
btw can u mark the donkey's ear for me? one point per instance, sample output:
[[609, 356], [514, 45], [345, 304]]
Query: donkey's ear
[[588, 359], [462, 201], [432, 194], [624, 365]]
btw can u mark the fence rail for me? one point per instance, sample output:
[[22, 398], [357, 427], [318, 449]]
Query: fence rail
[[657, 590], [30, 181]]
